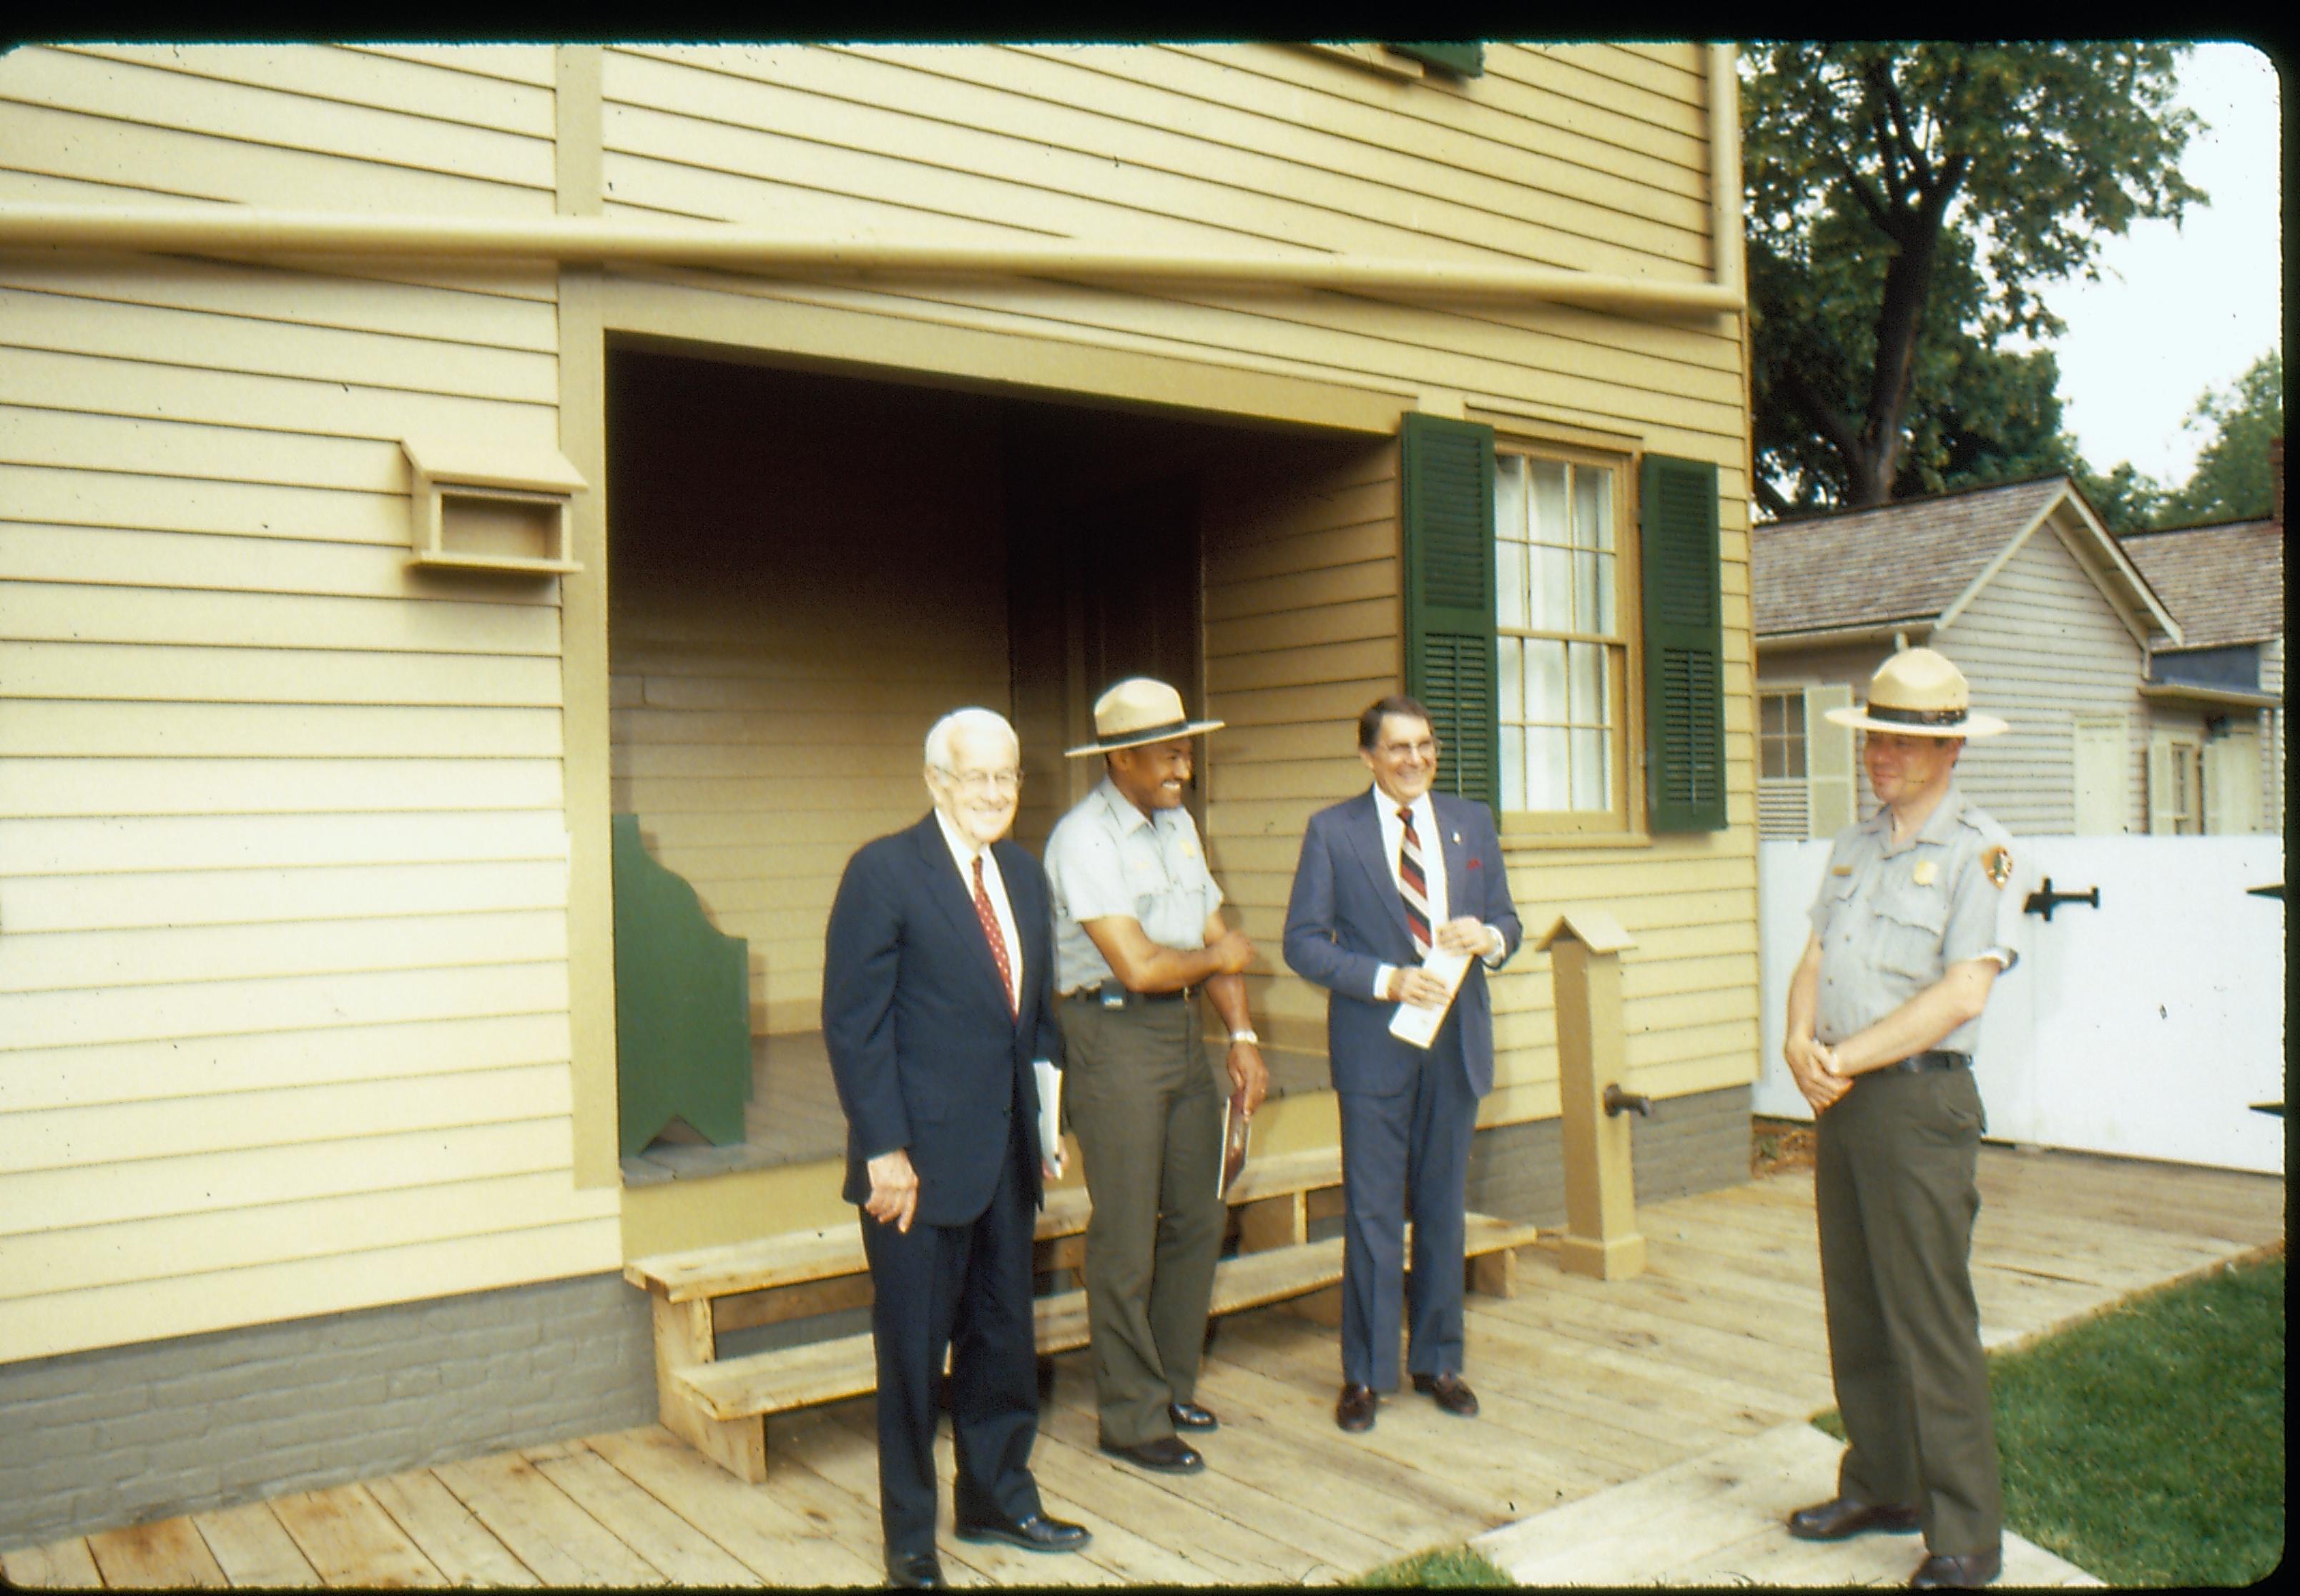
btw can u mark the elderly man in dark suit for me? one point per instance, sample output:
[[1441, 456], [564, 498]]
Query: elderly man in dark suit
[[936, 983], [1389, 881]]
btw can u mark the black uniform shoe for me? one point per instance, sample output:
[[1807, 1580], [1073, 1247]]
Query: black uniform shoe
[[1036, 1532], [914, 1571], [1965, 1571], [1355, 1411], [1161, 1454], [1452, 1393], [1190, 1415], [1840, 1518]]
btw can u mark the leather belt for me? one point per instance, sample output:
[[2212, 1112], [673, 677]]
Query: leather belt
[[1111, 994], [1916, 1063]]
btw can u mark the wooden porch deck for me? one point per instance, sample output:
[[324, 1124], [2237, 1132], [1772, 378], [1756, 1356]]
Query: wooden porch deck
[[1593, 1393]]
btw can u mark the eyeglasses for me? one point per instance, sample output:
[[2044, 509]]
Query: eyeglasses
[[1004, 782]]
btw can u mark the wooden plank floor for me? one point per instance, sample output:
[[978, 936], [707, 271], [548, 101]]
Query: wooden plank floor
[[1590, 1390]]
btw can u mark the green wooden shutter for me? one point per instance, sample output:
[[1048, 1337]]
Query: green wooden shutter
[[1683, 645], [1465, 57], [1451, 658]]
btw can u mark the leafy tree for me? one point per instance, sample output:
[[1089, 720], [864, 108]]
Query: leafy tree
[[1904, 204], [2128, 500], [2232, 480]]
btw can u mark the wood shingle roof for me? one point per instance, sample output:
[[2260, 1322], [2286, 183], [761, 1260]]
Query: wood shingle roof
[[2224, 584], [1896, 562]]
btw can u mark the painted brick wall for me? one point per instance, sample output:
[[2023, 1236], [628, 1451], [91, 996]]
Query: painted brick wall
[[1691, 1144], [92, 1440]]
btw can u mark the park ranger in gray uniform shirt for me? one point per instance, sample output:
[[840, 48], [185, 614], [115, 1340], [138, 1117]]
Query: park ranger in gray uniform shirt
[[1138, 932], [1910, 930]]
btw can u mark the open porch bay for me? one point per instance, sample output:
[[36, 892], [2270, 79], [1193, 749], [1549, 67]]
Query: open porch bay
[[1641, 1432]]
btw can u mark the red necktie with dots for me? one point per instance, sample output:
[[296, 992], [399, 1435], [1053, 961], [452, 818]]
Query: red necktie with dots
[[989, 918]]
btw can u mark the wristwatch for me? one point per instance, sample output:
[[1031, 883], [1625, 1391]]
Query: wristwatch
[[1245, 1034]]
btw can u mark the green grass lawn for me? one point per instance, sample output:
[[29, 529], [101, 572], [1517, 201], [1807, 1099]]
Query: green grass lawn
[[2146, 1446]]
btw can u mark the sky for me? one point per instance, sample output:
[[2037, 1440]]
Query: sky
[[2181, 309]]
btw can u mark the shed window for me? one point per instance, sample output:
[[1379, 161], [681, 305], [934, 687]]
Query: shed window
[[1780, 735]]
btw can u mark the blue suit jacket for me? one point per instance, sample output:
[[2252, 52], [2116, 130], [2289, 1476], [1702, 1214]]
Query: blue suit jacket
[[1345, 917], [925, 1053]]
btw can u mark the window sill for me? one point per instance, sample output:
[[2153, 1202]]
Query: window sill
[[1530, 841]]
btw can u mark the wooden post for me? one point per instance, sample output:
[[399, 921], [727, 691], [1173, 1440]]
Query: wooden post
[[683, 1337], [1585, 967]]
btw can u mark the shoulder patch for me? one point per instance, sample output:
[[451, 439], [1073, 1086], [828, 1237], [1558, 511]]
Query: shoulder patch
[[1997, 864]]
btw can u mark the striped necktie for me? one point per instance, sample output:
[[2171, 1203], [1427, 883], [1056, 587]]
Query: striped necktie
[[1412, 885]]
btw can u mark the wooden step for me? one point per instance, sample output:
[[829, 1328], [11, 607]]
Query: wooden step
[[826, 1371]]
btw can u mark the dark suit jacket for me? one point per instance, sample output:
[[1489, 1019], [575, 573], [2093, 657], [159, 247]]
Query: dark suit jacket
[[1345, 917], [924, 1051]]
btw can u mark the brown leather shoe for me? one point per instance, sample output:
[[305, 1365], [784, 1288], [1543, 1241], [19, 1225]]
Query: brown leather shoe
[[1840, 1518], [1451, 1393], [1355, 1411], [1963, 1571]]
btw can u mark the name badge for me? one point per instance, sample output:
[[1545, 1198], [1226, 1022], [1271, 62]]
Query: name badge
[[1840, 869]]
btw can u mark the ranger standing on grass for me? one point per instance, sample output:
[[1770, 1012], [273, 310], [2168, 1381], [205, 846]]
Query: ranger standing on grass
[[1909, 933]]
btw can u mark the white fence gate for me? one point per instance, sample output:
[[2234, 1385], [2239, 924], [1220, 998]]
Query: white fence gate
[[2146, 1027]]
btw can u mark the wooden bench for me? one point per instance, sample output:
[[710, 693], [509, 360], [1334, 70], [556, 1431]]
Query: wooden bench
[[718, 1405]]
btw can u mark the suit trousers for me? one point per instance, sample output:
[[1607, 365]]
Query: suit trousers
[[1413, 1146], [1895, 1197], [967, 1287], [1145, 1104]]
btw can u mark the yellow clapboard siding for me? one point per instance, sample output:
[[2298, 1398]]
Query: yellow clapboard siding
[[196, 787], [205, 897], [1317, 782], [311, 297], [145, 92], [748, 868], [1593, 75], [87, 613], [772, 758], [409, 1052], [198, 165], [74, 324], [690, 192], [290, 1003], [218, 1182], [638, 734], [171, 675], [1265, 514], [1320, 741], [1670, 71], [63, 961], [135, 557], [133, 846], [804, 889], [1319, 703], [215, 1124], [90, 441], [115, 1316], [97, 729], [829, 832], [146, 390], [1372, 657], [1399, 153], [409, 88], [149, 1251], [1142, 177], [1228, 640], [62, 497], [531, 64], [1235, 600], [924, 701]]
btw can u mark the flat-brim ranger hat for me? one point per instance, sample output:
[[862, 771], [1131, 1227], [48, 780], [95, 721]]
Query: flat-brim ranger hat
[[1138, 710], [1919, 693]]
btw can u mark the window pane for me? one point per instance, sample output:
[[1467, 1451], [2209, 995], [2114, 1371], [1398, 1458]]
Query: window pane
[[1593, 508], [1545, 682], [1513, 794], [1553, 589], [1586, 662], [1545, 767], [1605, 595], [1591, 787], [1793, 718], [1509, 497], [1511, 707], [1772, 710], [1793, 753], [1586, 618], [1509, 582], [1550, 522]]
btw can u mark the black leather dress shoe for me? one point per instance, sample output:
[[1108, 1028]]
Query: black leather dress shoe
[[1161, 1454], [1451, 1392], [1840, 1518], [1036, 1532], [1355, 1411], [1190, 1415], [915, 1571], [1964, 1571]]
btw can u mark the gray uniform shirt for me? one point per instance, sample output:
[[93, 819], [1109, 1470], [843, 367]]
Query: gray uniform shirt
[[1892, 919], [1108, 858]]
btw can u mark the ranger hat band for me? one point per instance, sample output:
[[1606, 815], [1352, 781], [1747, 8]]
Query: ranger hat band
[[1919, 693], [1137, 710]]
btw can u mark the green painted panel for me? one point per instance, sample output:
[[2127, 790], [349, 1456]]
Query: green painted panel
[[682, 1004]]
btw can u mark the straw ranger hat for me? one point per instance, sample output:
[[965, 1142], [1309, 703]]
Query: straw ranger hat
[[1139, 711], [1919, 693]]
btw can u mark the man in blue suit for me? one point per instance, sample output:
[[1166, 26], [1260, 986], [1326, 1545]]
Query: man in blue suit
[[1385, 877], [936, 982]]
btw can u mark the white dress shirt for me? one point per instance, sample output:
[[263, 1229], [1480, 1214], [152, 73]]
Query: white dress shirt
[[1433, 870], [962, 849]]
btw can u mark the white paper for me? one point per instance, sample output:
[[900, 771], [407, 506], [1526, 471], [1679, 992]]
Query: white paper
[[1418, 1026], [1050, 1114]]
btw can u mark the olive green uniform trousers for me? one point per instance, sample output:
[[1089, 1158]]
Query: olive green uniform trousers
[[1894, 1192], [1144, 1101]]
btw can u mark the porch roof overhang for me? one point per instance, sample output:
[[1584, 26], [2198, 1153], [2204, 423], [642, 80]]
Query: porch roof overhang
[[1914, 627], [240, 230], [2236, 697]]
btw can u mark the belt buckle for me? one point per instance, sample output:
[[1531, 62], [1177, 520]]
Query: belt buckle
[[1113, 996]]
